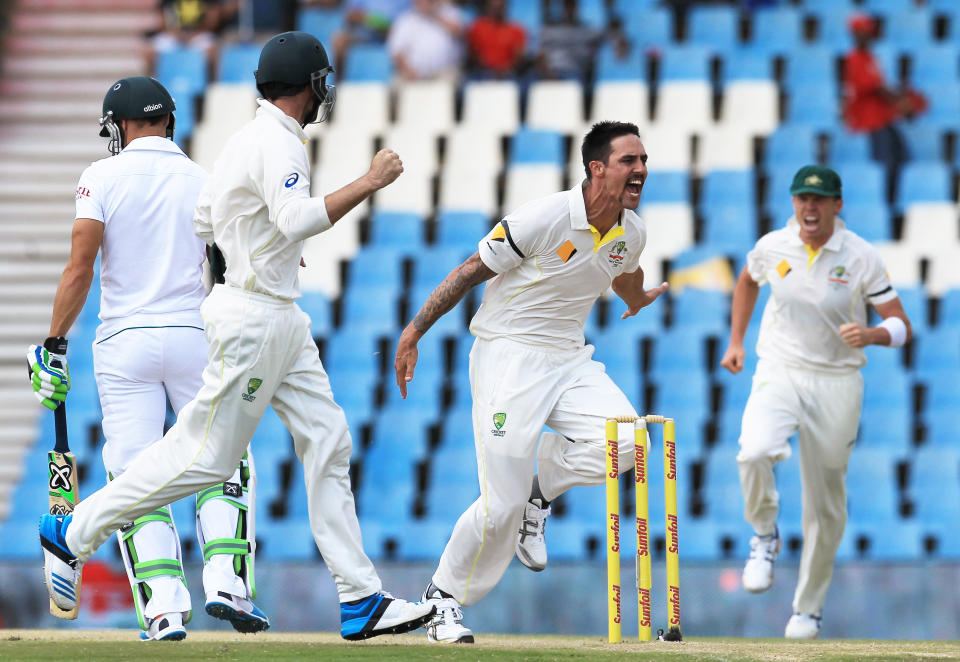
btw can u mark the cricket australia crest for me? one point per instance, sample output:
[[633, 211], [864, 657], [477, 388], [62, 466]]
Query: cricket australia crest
[[498, 421], [617, 253], [252, 387]]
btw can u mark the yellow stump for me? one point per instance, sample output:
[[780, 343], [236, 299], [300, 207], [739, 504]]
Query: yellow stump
[[644, 572], [613, 532], [673, 541]]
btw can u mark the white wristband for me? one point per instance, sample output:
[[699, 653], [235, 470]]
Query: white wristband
[[897, 330]]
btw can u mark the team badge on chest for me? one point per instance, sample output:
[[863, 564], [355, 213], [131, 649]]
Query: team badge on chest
[[617, 253], [839, 276]]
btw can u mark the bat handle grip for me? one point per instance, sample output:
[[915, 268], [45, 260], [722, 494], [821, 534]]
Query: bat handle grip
[[60, 424]]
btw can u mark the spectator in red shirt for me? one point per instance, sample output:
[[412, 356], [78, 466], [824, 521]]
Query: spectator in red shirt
[[869, 104], [496, 45]]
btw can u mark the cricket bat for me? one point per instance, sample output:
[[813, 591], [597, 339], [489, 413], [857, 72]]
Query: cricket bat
[[62, 484]]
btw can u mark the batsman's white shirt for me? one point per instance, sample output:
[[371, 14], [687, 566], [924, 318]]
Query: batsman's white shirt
[[138, 195], [529, 367], [551, 267], [807, 381], [813, 294]]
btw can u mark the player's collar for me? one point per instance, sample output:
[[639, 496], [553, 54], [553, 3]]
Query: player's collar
[[154, 144], [834, 243], [267, 108]]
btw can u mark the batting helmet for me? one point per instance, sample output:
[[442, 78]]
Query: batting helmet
[[134, 98], [298, 58]]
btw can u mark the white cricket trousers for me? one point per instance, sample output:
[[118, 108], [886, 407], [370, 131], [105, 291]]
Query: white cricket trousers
[[517, 389], [824, 409], [261, 353], [136, 371]]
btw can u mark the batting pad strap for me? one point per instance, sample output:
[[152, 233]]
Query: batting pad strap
[[158, 515], [157, 568], [233, 546], [222, 491]]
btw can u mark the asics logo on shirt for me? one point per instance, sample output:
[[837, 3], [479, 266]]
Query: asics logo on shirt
[[291, 180]]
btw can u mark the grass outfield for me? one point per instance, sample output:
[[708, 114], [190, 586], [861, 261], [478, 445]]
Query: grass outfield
[[107, 645]]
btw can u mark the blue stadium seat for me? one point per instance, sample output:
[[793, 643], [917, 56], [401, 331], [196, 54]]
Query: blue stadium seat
[[321, 22], [701, 539], [317, 306], [881, 362], [832, 18], [846, 147], [447, 499], [679, 350], [238, 62], [942, 425], [423, 540], [457, 433], [687, 391], [872, 486], [386, 502], [775, 30], [721, 492], [685, 63], [568, 540], [942, 393], [924, 182], [461, 230], [271, 446], [536, 146], [900, 540], [791, 147], [452, 323], [528, 14], [746, 64], [667, 186], [727, 187], [870, 181], [813, 104], [716, 28], [909, 29], [809, 66], [627, 377], [183, 70], [609, 67], [729, 421], [730, 229], [377, 267], [890, 427], [371, 307], [934, 64], [944, 106], [366, 63], [350, 350], [593, 13], [648, 322], [397, 229], [285, 541], [618, 345], [935, 485], [870, 220], [649, 29], [914, 300], [707, 310], [887, 6], [938, 350], [434, 264], [924, 142], [949, 309]]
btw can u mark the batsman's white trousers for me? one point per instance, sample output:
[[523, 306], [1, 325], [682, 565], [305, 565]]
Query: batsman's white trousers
[[824, 409], [261, 353], [136, 371], [517, 389]]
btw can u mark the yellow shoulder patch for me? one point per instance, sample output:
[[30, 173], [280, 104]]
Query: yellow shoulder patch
[[783, 268], [566, 250], [498, 234]]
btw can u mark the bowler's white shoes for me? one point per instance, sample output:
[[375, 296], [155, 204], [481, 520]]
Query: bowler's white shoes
[[165, 627], [758, 571], [446, 626], [803, 626], [531, 543]]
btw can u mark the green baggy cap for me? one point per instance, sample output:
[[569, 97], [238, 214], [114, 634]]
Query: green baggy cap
[[817, 179]]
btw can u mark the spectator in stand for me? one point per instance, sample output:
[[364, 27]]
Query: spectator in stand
[[424, 42], [566, 46], [366, 22], [872, 106], [192, 24], [496, 45]]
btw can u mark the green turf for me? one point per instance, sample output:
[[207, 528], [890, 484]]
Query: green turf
[[82, 645]]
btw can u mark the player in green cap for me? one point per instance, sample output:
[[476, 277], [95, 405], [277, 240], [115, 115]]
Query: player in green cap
[[807, 379]]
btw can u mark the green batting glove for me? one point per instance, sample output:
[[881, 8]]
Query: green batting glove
[[49, 374]]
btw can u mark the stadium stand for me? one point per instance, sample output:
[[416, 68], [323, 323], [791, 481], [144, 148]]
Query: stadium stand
[[726, 115]]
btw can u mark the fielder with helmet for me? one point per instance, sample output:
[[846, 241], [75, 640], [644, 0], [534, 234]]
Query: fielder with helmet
[[149, 348], [257, 206]]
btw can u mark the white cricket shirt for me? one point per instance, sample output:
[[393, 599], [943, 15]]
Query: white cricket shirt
[[151, 261], [551, 267], [257, 207], [812, 294]]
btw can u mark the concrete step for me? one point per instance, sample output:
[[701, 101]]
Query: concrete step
[[15, 109], [65, 149], [70, 21], [57, 44], [33, 88], [30, 170], [19, 230], [39, 212], [37, 292], [54, 67], [63, 190], [35, 249], [31, 270]]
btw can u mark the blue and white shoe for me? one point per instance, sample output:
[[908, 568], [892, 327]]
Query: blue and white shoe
[[243, 615], [166, 627], [381, 613], [61, 571]]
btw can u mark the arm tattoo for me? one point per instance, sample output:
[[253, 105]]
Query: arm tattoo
[[449, 293]]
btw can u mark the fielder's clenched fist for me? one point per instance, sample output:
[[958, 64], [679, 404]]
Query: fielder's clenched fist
[[385, 168]]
